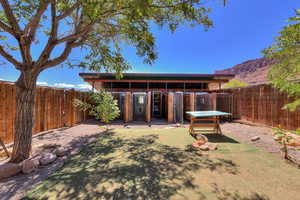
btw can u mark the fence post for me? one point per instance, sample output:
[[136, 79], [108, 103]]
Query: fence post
[[128, 107], [170, 107], [148, 107], [214, 100]]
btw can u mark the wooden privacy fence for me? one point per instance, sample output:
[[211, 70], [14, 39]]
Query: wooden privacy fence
[[53, 109], [260, 104]]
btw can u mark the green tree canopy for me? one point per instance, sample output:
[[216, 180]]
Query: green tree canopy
[[98, 26], [285, 75]]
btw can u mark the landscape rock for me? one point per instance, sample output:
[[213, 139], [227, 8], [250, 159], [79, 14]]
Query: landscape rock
[[196, 144], [201, 139], [204, 147], [61, 151], [47, 158], [9, 169], [255, 138], [30, 165], [295, 141], [207, 146]]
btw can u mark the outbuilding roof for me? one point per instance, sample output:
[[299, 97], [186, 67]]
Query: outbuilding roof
[[155, 76]]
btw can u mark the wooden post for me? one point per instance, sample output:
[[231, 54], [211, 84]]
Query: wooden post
[[148, 108], [126, 108], [170, 107], [213, 101], [130, 106], [192, 103], [128, 115]]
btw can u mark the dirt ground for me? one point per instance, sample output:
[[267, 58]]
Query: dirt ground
[[76, 137], [244, 133]]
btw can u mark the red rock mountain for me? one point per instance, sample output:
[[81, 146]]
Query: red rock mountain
[[252, 71]]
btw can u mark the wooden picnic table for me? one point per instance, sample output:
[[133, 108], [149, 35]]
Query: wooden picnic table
[[204, 121]]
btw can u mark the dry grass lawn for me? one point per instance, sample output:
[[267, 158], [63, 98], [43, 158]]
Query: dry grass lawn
[[159, 164]]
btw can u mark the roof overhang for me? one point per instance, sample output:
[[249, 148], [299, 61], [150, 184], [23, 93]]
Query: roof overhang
[[161, 77]]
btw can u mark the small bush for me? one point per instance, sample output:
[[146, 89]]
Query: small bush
[[101, 105], [235, 84]]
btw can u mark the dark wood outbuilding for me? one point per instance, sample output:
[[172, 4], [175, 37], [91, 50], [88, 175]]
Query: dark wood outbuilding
[[145, 96]]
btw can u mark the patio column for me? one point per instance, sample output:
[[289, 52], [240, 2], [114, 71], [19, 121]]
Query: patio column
[[128, 112], [213, 98], [148, 108], [192, 102], [170, 107]]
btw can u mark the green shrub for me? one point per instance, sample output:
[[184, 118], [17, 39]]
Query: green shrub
[[101, 105], [235, 84]]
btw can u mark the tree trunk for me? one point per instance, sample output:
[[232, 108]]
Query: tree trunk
[[25, 96]]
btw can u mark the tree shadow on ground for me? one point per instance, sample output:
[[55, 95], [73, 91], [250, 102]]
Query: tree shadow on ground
[[24, 182], [218, 138], [114, 167], [223, 194]]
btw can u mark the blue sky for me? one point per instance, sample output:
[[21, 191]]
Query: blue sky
[[241, 30]]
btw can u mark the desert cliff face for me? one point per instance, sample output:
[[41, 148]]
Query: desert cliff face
[[252, 71]]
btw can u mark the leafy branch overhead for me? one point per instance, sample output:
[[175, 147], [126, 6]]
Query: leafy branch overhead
[[286, 51], [98, 26]]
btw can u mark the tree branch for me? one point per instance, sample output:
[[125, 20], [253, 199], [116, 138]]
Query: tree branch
[[10, 17], [69, 11], [30, 28], [63, 56], [6, 28], [10, 58], [18, 33], [53, 35], [75, 36]]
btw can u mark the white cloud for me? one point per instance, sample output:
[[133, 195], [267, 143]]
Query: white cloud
[[64, 85], [84, 86], [42, 83]]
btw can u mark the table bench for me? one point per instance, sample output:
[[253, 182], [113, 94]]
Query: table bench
[[205, 121]]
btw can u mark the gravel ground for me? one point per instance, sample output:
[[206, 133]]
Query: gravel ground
[[77, 136], [244, 133]]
